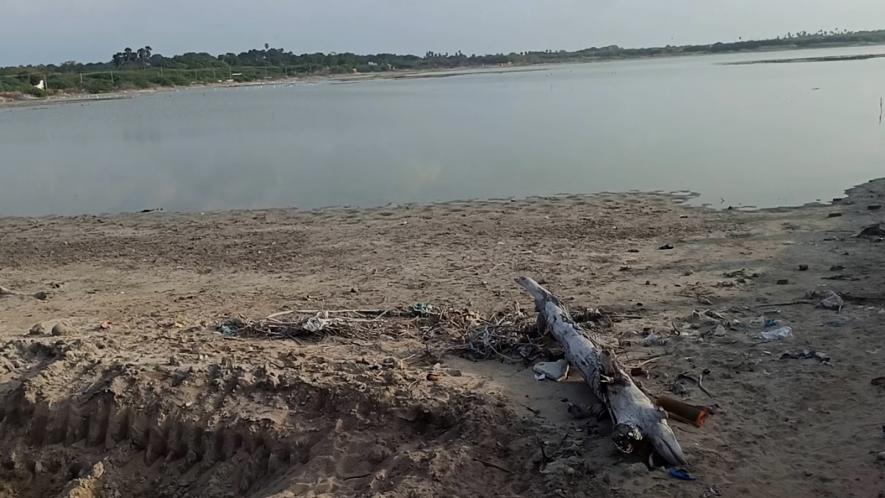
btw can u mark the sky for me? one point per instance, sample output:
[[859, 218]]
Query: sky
[[54, 31]]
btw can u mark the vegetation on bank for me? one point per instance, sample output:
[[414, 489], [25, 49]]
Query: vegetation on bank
[[142, 68]]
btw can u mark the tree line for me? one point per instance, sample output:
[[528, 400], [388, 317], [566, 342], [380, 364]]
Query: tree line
[[141, 68]]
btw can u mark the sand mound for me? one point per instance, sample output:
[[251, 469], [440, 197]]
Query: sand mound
[[74, 424]]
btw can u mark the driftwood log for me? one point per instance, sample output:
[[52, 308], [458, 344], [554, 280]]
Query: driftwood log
[[636, 418]]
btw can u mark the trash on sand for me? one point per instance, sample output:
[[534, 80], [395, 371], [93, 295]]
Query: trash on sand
[[879, 381], [231, 327], [740, 274], [105, 325], [7, 292], [682, 475], [803, 267], [783, 281], [665, 247], [314, 324], [41, 295], [777, 334], [831, 301], [654, 340], [806, 354], [421, 309], [769, 323], [553, 370], [683, 412], [872, 231]]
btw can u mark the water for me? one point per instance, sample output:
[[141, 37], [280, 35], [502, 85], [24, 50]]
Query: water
[[763, 135]]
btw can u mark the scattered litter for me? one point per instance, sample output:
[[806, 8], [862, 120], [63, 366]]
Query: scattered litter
[[682, 475], [421, 309], [834, 215], [683, 412], [654, 340], [803, 267], [556, 371], [831, 301], [783, 281], [314, 324], [874, 207], [665, 247], [880, 382], [741, 274], [881, 456], [872, 231], [777, 334], [231, 327], [7, 292], [105, 325], [807, 354]]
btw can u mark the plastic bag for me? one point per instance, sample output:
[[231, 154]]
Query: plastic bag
[[777, 334]]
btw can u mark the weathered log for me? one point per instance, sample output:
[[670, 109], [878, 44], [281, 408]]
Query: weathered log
[[635, 416]]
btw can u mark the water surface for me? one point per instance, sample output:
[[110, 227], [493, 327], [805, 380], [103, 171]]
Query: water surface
[[764, 135]]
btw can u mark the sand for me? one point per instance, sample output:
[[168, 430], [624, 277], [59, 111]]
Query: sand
[[156, 402]]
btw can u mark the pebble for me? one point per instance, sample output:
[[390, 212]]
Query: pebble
[[41, 295], [62, 328], [783, 282], [37, 329], [881, 456], [803, 267]]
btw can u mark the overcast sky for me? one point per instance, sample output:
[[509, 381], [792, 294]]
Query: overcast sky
[[44, 31]]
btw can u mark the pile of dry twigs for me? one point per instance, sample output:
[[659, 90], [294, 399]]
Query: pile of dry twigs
[[511, 336]]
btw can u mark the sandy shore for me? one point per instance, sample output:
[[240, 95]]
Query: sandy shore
[[70, 98], [141, 396]]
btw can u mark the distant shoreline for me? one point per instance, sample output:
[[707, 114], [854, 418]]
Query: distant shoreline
[[72, 98], [23, 100]]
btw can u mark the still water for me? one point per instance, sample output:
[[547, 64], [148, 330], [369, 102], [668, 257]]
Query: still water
[[763, 135]]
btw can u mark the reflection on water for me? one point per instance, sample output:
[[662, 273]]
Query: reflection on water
[[768, 134]]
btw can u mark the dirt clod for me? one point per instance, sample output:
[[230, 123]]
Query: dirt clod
[[62, 328]]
